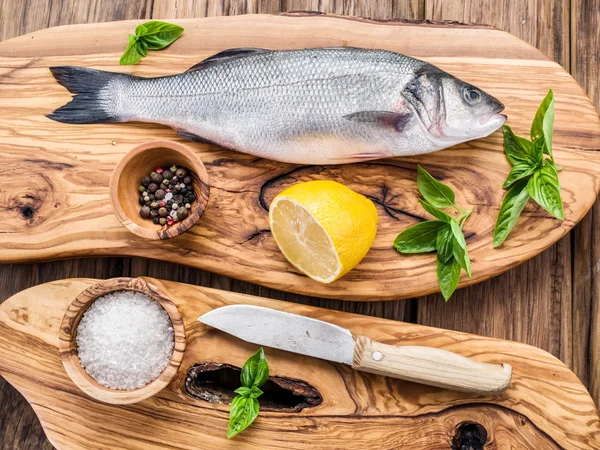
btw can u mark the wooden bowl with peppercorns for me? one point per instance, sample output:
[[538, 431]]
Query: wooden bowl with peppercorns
[[144, 187]]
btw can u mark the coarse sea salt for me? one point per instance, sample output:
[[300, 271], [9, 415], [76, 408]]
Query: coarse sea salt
[[125, 340]]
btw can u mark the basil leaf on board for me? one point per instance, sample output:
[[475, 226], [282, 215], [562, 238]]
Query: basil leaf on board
[[438, 214], [244, 411], [512, 205], [159, 35], [459, 248], [435, 192], [142, 47], [140, 30], [132, 52], [543, 122], [255, 392], [419, 238], [243, 391], [255, 371], [517, 149], [445, 244], [544, 188], [518, 172], [448, 274]]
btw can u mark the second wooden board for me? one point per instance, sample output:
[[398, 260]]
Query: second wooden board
[[310, 404], [54, 183]]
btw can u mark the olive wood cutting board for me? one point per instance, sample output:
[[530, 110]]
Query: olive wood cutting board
[[545, 407], [54, 177]]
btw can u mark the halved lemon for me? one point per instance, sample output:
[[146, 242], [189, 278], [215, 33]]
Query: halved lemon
[[323, 228]]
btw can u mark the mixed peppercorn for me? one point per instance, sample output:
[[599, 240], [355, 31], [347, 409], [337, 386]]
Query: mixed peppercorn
[[166, 195]]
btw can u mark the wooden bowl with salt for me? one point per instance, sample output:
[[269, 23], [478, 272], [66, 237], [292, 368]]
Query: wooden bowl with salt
[[67, 343], [142, 160]]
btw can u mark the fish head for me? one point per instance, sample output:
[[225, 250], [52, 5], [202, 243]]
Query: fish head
[[451, 110]]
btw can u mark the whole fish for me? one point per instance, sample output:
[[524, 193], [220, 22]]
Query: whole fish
[[311, 106]]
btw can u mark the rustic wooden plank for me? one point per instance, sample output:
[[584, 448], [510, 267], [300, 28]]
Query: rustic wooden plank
[[534, 302], [176, 9], [18, 17], [545, 407], [544, 24], [378, 10], [585, 67]]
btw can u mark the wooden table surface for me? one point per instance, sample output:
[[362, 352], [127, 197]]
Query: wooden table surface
[[551, 301]]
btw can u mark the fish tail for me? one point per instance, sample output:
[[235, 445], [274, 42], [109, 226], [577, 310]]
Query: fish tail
[[90, 104]]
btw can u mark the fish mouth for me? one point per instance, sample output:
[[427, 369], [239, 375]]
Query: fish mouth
[[494, 121]]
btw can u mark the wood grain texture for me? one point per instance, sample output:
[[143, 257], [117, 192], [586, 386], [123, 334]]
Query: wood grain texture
[[585, 66], [68, 170], [546, 406]]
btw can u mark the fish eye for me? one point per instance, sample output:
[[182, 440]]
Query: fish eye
[[471, 95]]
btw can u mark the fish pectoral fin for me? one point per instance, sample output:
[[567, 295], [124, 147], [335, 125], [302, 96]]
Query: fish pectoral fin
[[226, 54], [394, 120], [193, 137]]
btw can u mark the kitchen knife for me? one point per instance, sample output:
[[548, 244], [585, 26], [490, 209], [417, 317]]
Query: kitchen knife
[[299, 334]]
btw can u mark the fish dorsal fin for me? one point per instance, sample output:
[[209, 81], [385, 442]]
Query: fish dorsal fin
[[394, 120], [226, 54]]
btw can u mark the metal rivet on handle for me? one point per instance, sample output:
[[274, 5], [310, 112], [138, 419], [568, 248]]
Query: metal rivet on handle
[[377, 356]]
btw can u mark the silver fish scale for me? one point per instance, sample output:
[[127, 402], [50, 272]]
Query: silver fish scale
[[284, 105]]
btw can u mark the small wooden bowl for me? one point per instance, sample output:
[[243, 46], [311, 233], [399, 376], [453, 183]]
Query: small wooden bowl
[[142, 160], [67, 344]]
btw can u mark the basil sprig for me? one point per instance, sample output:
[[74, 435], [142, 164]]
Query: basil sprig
[[153, 35], [443, 235], [244, 407], [534, 173]]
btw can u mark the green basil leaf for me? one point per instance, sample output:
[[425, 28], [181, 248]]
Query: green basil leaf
[[438, 214], [461, 256], [512, 205], [544, 188], [435, 192], [255, 371], [517, 149], [419, 238], [142, 47], [132, 52], [243, 391], [255, 392], [140, 30], [543, 122], [459, 249], [518, 172], [458, 234], [244, 410], [445, 244], [159, 35], [448, 274]]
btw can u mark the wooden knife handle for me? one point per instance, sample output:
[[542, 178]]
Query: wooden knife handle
[[431, 366]]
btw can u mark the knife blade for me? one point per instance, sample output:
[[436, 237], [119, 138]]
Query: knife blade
[[306, 336]]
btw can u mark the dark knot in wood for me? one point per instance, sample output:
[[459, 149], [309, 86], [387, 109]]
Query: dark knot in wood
[[215, 383], [469, 436], [27, 212]]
